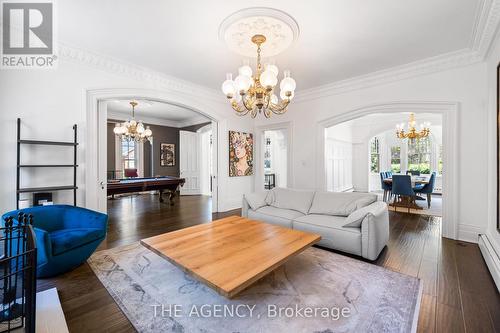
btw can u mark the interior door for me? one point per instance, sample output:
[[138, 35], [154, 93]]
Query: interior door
[[189, 162]]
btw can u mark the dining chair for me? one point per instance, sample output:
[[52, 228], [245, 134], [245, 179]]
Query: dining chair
[[385, 186], [402, 190], [428, 189], [413, 172]]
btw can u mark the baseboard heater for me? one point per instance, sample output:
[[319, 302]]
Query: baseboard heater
[[491, 257]]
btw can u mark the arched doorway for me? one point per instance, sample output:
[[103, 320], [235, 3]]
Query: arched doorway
[[448, 111], [95, 153]]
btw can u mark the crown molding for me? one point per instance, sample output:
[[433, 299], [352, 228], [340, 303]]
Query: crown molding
[[483, 35], [486, 27], [119, 67]]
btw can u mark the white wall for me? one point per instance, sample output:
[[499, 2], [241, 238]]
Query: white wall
[[49, 102], [465, 85], [491, 78]]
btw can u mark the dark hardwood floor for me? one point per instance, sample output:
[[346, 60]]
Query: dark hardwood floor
[[459, 294]]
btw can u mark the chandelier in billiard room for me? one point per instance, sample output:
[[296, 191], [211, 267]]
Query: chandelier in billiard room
[[259, 32]]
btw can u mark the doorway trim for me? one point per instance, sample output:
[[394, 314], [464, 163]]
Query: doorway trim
[[96, 126], [259, 150], [450, 114]]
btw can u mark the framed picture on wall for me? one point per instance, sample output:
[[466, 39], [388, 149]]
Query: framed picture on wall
[[167, 154], [240, 154]]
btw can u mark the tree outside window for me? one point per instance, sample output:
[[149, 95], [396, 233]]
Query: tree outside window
[[396, 159], [419, 155], [375, 155], [129, 154]]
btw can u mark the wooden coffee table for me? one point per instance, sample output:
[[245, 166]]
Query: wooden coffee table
[[232, 253]]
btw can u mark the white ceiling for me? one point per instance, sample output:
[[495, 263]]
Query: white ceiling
[[338, 39], [157, 113]]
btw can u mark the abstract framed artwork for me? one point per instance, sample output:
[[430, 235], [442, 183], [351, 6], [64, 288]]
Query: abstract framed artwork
[[167, 154], [240, 154]]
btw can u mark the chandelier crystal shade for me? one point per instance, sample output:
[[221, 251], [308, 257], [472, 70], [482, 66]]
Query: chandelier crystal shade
[[257, 94], [411, 132], [132, 130]]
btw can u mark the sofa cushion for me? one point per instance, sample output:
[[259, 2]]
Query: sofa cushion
[[340, 203], [286, 198], [355, 218], [256, 199], [333, 234], [67, 239], [273, 215]]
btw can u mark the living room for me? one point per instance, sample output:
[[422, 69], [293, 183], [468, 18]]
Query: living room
[[298, 73]]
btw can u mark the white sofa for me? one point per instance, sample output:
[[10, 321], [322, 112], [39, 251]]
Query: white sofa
[[353, 222]]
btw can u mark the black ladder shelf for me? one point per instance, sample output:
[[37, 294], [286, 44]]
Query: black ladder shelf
[[20, 142]]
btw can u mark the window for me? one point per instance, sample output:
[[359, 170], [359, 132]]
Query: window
[[419, 155], [396, 159], [374, 155], [129, 154], [267, 155]]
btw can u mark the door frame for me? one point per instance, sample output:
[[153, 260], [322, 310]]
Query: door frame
[[95, 133], [450, 115], [260, 147]]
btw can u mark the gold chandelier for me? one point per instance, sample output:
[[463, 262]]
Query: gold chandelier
[[412, 132], [132, 130], [255, 94]]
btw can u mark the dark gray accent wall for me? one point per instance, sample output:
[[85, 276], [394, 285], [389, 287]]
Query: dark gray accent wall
[[161, 134], [110, 138]]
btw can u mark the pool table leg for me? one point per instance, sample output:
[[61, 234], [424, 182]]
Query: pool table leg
[[171, 197], [161, 195]]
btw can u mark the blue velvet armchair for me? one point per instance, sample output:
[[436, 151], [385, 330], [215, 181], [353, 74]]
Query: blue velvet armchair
[[66, 236]]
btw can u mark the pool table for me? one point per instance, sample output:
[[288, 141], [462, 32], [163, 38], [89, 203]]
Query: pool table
[[161, 184]]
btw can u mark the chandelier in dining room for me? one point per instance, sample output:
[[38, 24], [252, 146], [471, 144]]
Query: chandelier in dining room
[[256, 93], [411, 131], [133, 130]]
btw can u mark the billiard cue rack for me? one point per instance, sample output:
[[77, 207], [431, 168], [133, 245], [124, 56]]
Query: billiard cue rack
[[74, 166]]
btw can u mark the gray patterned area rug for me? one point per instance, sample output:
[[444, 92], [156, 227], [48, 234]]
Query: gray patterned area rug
[[316, 291]]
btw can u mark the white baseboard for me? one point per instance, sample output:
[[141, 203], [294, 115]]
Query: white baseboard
[[491, 257], [469, 233], [229, 205]]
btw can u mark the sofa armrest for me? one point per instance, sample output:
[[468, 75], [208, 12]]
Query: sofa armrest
[[244, 207], [374, 232]]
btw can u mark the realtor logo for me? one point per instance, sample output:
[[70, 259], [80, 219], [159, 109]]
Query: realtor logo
[[28, 35]]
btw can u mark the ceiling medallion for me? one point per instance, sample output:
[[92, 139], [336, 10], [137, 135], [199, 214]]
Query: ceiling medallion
[[280, 29], [412, 132]]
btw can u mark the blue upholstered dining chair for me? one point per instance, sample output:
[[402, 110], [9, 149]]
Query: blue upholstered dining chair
[[385, 186], [66, 236], [402, 190], [413, 172], [428, 189]]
